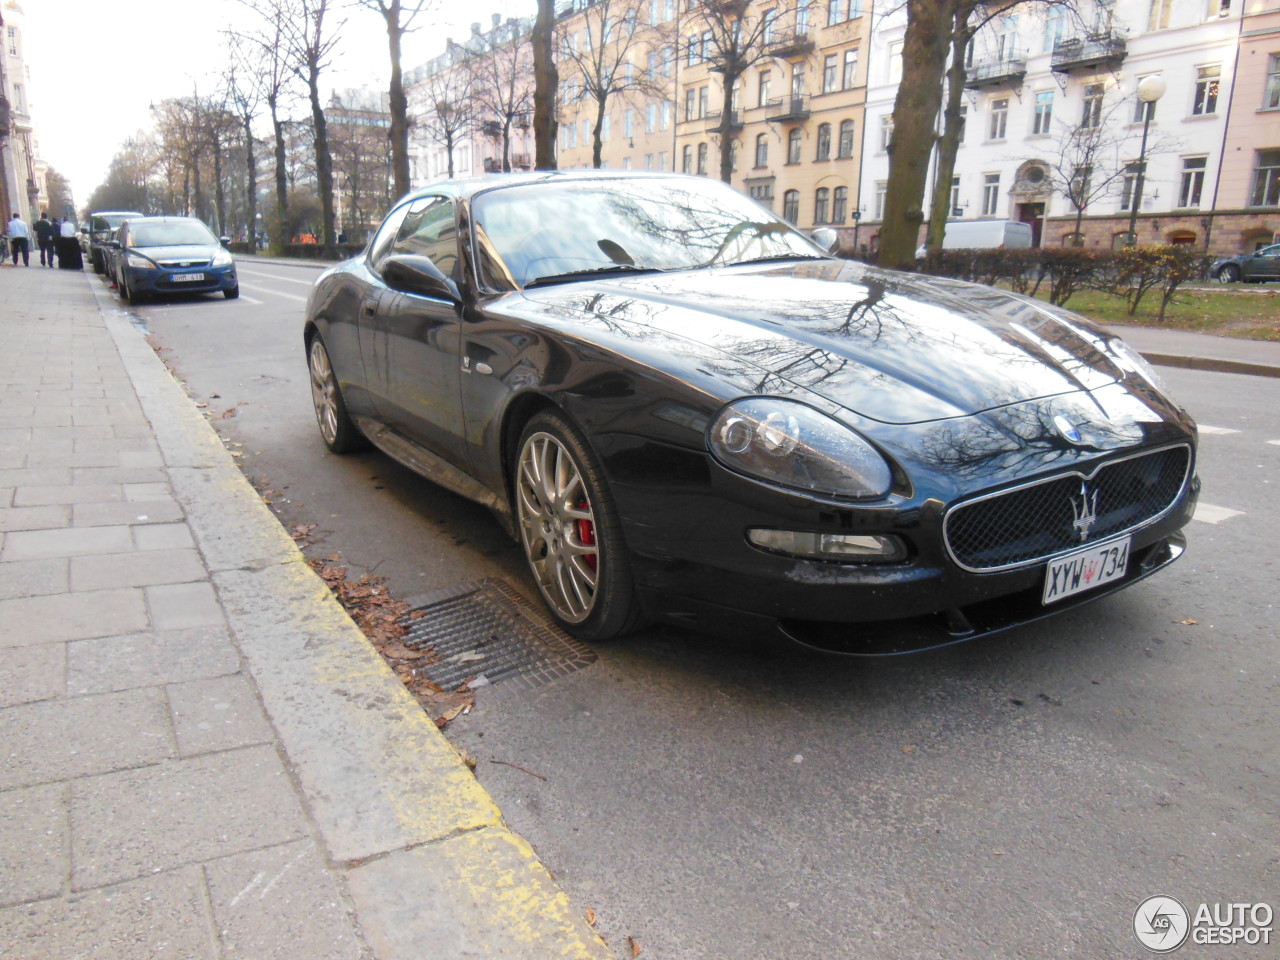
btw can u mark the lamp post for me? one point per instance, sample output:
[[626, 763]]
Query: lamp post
[[1150, 90]]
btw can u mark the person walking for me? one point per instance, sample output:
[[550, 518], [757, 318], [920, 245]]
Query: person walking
[[44, 238], [19, 240], [68, 246]]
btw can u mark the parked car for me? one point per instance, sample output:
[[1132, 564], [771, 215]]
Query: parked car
[[158, 255], [1256, 267], [686, 411], [984, 234], [102, 227]]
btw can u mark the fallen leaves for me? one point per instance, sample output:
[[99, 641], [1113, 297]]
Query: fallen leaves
[[1188, 622]]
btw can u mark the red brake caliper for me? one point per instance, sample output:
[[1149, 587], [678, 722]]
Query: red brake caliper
[[587, 534]]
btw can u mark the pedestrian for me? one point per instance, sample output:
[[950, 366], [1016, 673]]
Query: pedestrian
[[19, 240], [68, 244], [44, 239]]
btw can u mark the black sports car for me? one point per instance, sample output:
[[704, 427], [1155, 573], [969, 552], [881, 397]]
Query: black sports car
[[687, 411], [1256, 267]]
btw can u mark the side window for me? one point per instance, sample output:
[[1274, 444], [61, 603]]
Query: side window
[[429, 230], [386, 233]]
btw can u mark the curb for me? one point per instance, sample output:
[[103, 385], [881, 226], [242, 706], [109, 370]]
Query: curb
[[423, 848], [1213, 364]]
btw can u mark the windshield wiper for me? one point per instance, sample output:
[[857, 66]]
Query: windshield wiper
[[614, 268], [777, 257]]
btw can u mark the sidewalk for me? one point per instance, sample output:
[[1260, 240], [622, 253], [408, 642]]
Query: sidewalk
[[200, 755]]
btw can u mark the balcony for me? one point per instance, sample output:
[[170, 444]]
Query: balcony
[[713, 120], [993, 73], [789, 43], [781, 109], [491, 128], [1106, 50]]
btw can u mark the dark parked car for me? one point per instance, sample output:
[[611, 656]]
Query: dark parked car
[[685, 410], [160, 255], [102, 228], [1253, 267]]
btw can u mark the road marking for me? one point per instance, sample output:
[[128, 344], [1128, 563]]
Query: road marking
[[251, 300], [1208, 513], [277, 293], [1274, 443], [276, 276], [1216, 430]]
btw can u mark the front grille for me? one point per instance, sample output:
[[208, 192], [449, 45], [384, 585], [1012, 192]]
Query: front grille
[[1035, 521], [184, 264]]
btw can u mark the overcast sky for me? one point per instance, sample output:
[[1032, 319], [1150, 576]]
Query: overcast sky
[[97, 65]]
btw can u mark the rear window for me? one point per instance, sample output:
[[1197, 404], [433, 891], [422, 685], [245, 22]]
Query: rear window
[[169, 234]]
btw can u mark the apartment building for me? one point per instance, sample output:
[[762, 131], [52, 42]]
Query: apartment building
[[21, 171], [1042, 80]]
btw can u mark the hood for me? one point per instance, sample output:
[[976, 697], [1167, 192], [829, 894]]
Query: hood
[[897, 348], [193, 252]]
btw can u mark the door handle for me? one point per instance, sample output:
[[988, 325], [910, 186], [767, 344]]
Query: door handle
[[481, 368]]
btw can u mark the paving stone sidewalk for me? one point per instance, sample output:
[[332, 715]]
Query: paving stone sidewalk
[[200, 756]]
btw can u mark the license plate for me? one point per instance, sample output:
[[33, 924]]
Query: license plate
[[1085, 569], [180, 277]]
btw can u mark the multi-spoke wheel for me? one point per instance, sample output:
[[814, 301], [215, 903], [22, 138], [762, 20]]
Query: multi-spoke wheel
[[1229, 273], [570, 531], [339, 433]]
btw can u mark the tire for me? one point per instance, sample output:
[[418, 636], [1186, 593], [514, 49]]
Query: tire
[[336, 429], [1229, 273], [233, 293], [570, 532], [99, 265], [127, 293]]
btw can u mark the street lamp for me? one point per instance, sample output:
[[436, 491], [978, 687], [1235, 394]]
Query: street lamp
[[1150, 90]]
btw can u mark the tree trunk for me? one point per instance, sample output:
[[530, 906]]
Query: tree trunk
[[282, 186], [398, 104], [219, 193], [915, 112], [949, 144], [251, 183], [324, 168], [597, 146], [726, 126], [545, 79]]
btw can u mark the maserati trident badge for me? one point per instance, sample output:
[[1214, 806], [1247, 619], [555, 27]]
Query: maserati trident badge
[[1069, 431], [1084, 511]]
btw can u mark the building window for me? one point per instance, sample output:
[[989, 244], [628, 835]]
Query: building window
[[886, 131], [1129, 189], [693, 58], [1092, 116], [1143, 109], [770, 18], [762, 150], [830, 73], [791, 206], [13, 41], [882, 190], [1043, 117], [702, 159], [605, 126], [704, 101], [651, 117], [766, 87], [1055, 27], [686, 164], [895, 61], [1271, 97], [762, 193], [797, 79], [666, 115], [850, 69], [1192, 181], [629, 123], [824, 142], [802, 17], [845, 148], [793, 145], [990, 194], [691, 104], [821, 201], [956, 209], [839, 201], [668, 60], [1206, 101], [1158, 19], [999, 119], [1266, 179]]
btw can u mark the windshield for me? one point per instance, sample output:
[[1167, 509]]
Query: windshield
[[170, 234], [564, 231]]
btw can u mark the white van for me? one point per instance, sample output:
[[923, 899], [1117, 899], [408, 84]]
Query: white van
[[989, 234]]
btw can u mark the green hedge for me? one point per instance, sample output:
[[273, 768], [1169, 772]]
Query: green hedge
[[1129, 273]]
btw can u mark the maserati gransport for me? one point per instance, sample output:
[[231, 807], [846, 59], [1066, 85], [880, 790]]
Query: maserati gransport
[[686, 411]]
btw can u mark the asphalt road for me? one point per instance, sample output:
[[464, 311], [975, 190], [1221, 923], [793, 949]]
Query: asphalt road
[[1008, 798]]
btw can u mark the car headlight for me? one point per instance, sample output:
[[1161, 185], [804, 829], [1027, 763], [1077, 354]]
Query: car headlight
[[223, 258], [139, 262], [792, 444]]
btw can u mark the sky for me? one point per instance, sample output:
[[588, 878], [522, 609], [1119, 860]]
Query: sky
[[97, 65]]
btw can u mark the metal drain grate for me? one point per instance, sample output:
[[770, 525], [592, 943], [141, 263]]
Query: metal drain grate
[[486, 629]]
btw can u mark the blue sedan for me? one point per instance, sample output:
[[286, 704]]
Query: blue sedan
[[162, 255]]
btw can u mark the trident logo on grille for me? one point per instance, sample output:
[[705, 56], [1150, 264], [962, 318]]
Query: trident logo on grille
[[1084, 511]]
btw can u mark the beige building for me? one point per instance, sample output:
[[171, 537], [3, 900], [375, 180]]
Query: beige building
[[21, 173]]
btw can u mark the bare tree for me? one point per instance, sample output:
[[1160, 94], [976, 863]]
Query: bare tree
[[598, 63], [311, 42], [131, 182], [398, 15], [242, 83], [500, 83], [448, 107], [358, 140]]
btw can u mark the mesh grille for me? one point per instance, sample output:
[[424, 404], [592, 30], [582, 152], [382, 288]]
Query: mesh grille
[[1034, 522]]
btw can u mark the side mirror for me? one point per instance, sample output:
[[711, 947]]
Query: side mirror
[[113, 244], [411, 273], [827, 239]]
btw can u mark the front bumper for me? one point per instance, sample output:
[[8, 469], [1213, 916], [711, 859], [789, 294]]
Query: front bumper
[[215, 280]]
